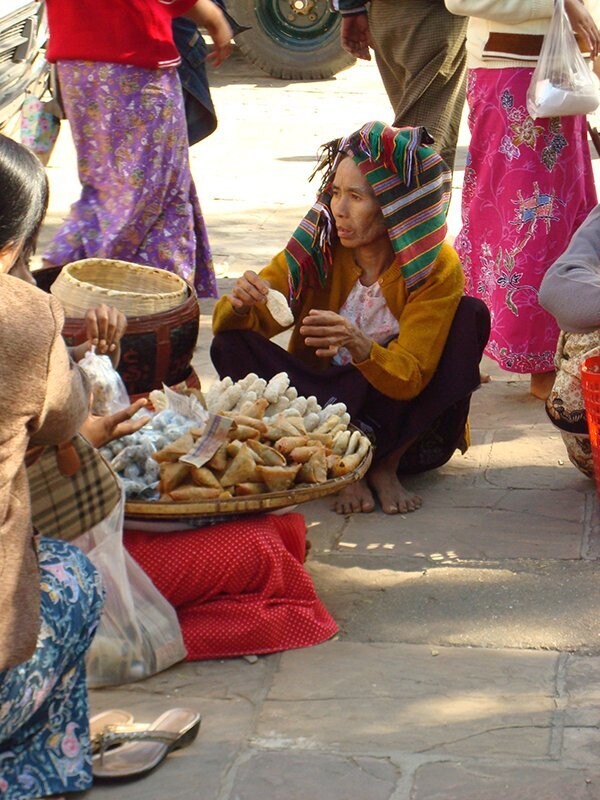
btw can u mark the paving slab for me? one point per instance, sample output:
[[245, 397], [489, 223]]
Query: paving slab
[[285, 775], [381, 698], [552, 605], [444, 781]]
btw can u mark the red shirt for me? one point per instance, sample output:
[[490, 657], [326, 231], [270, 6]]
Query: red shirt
[[136, 32]]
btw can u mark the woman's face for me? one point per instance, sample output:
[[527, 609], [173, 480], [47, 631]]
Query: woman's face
[[356, 210]]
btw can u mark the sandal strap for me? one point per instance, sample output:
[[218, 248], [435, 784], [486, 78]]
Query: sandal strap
[[120, 734]]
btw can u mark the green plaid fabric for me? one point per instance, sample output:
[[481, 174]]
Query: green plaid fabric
[[411, 182]]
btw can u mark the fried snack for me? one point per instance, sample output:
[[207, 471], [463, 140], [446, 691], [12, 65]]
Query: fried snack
[[243, 468], [243, 432], [202, 476], [328, 425], [325, 439], [192, 493], [346, 464], [240, 420], [172, 475], [315, 469], [247, 489], [353, 443], [340, 442], [175, 449], [232, 448], [277, 479], [218, 461], [333, 459], [300, 455], [267, 454], [254, 408], [280, 426], [279, 308], [286, 444]]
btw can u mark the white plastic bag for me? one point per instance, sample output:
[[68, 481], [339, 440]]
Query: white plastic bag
[[109, 394], [562, 83], [139, 633]]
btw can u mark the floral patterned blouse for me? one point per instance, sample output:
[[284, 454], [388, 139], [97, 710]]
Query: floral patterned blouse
[[365, 307]]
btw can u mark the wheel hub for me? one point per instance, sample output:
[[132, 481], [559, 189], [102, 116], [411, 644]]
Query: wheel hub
[[304, 7]]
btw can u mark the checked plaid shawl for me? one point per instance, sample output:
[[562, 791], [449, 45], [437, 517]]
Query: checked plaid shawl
[[411, 182]]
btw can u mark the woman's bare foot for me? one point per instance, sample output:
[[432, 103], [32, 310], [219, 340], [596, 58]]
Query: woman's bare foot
[[354, 499], [394, 498], [541, 384], [484, 377]]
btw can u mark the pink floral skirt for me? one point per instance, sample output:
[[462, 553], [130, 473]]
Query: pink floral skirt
[[528, 186]]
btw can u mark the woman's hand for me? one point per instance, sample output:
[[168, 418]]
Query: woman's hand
[[583, 25], [102, 430], [104, 328], [327, 331], [207, 14], [250, 290], [356, 36]]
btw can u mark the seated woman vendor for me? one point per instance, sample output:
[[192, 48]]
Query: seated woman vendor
[[379, 318]]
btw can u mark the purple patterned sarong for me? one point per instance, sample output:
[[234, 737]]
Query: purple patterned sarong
[[138, 201]]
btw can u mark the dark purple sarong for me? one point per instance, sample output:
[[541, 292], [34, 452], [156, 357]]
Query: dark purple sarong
[[436, 418]]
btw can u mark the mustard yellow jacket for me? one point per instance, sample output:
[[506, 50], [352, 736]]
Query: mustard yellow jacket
[[402, 368]]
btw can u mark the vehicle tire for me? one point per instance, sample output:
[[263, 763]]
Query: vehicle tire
[[291, 39]]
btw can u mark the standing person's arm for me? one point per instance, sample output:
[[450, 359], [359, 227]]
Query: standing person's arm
[[206, 14], [355, 32], [570, 289]]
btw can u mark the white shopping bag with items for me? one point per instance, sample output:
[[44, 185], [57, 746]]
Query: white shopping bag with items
[[139, 633]]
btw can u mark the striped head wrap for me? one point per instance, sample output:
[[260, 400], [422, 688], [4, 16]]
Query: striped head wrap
[[411, 182]]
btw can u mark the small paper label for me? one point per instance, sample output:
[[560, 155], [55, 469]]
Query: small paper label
[[215, 433]]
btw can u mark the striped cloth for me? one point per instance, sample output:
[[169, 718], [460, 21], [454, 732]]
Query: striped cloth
[[412, 184]]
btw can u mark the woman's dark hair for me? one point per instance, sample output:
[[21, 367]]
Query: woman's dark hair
[[23, 197]]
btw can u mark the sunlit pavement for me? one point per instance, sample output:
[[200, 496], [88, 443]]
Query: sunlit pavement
[[468, 662]]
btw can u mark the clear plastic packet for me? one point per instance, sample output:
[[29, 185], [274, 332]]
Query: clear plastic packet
[[131, 456], [109, 394], [139, 633], [562, 83]]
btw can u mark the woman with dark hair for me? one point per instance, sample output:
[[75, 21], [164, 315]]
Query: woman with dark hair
[[379, 318], [50, 594]]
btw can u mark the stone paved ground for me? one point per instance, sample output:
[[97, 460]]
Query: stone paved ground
[[468, 661]]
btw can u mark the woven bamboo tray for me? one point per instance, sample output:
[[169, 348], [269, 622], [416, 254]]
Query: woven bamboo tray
[[138, 509], [134, 289]]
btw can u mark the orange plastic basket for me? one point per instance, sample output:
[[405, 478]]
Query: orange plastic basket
[[590, 385]]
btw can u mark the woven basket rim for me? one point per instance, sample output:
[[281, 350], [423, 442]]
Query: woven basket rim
[[167, 277]]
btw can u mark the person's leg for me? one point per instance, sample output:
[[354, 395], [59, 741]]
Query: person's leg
[[44, 730], [236, 353], [382, 479], [421, 57], [238, 587]]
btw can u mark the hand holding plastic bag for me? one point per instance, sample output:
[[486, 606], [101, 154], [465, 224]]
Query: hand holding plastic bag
[[109, 394], [562, 83]]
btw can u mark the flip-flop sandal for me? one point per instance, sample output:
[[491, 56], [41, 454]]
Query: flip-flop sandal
[[113, 716], [147, 745]]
